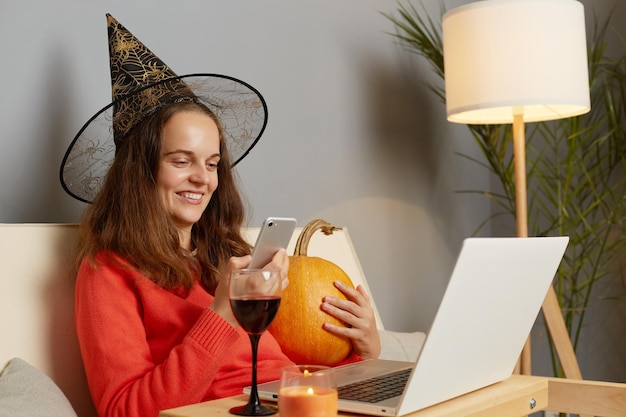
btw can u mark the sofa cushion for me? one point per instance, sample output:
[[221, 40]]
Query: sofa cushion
[[27, 392], [401, 346]]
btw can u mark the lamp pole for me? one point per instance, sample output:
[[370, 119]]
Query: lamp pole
[[521, 210]]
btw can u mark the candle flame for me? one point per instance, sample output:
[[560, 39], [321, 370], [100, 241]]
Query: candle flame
[[306, 372], [309, 391]]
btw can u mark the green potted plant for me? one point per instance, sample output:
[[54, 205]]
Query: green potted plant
[[576, 168]]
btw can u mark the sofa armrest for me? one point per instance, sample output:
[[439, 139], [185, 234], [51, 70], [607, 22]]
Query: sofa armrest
[[401, 346]]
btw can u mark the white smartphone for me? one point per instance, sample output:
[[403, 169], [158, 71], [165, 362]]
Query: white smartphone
[[275, 233]]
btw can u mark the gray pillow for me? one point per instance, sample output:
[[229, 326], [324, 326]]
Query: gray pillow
[[27, 392]]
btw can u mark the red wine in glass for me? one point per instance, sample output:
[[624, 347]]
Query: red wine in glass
[[254, 299], [256, 312]]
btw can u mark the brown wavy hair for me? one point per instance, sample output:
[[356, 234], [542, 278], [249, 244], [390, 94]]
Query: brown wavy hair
[[127, 218]]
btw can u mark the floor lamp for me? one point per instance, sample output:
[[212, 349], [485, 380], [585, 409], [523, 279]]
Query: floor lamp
[[519, 61]]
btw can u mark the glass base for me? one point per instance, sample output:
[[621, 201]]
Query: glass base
[[252, 409]]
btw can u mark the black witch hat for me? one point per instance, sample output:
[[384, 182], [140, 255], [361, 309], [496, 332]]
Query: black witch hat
[[141, 83]]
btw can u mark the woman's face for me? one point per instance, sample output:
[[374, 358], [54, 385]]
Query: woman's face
[[187, 173]]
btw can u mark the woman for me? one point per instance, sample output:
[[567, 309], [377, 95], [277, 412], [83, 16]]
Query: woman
[[157, 246]]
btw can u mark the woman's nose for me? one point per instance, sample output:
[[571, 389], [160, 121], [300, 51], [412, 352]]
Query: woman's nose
[[200, 176]]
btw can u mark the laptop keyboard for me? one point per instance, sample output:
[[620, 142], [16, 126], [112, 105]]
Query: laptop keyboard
[[376, 389]]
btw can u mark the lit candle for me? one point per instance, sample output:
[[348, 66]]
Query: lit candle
[[302, 401]]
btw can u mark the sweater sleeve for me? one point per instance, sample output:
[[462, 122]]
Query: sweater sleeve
[[124, 378]]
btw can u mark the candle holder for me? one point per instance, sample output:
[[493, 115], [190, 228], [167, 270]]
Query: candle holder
[[307, 391]]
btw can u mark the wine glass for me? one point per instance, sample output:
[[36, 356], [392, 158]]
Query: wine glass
[[254, 298]]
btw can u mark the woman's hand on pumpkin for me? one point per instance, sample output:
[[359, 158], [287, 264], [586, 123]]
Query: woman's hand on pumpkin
[[221, 302], [358, 315]]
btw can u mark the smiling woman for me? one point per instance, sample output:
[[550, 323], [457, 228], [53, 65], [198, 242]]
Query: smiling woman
[[152, 312], [161, 238]]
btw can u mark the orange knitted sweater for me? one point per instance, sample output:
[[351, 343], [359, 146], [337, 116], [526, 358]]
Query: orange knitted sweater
[[146, 349]]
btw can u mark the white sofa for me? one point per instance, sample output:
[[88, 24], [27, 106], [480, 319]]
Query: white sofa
[[37, 307]]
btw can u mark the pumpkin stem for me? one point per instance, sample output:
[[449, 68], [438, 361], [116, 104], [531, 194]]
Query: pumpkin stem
[[302, 244]]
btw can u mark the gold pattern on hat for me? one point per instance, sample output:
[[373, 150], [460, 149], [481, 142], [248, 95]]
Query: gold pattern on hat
[[139, 80]]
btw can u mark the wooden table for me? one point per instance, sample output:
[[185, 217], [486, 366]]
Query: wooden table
[[516, 396]]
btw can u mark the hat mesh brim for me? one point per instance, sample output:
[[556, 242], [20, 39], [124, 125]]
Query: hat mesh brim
[[241, 109]]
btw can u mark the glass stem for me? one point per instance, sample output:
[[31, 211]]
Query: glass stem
[[254, 393]]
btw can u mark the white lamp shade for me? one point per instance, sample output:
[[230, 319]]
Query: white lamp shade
[[506, 57]]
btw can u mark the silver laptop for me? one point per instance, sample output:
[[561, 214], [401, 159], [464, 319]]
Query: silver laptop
[[492, 300]]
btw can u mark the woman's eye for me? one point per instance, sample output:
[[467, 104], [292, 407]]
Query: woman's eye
[[213, 164], [180, 162]]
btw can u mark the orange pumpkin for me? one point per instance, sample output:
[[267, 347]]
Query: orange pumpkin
[[298, 324]]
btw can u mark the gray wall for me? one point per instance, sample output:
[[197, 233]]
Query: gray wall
[[354, 135]]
